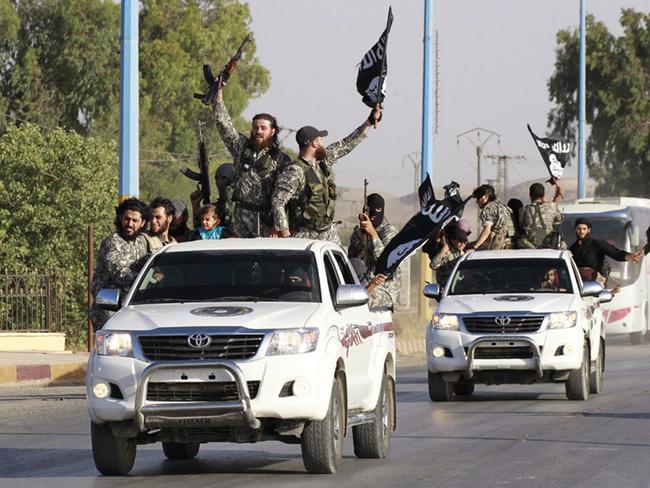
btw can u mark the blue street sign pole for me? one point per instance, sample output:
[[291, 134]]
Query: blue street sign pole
[[129, 124], [427, 93], [582, 156]]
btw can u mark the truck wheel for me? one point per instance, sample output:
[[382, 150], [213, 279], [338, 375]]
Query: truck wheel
[[464, 388], [177, 450], [114, 456], [372, 440], [322, 440], [577, 386], [439, 389], [596, 377]]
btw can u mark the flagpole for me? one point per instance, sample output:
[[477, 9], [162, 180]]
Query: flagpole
[[581, 106]]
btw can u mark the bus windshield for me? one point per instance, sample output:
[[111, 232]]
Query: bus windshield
[[614, 230]]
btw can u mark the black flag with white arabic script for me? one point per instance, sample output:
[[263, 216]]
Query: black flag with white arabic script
[[434, 215], [554, 152], [373, 69]]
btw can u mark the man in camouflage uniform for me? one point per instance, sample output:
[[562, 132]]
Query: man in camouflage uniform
[[257, 159], [496, 221], [541, 218], [375, 229], [162, 213], [121, 255], [307, 185], [453, 247]]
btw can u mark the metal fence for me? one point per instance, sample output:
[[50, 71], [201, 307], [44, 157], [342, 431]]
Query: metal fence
[[33, 302]]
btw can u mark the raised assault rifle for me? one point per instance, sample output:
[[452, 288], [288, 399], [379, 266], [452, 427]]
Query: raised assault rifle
[[214, 84], [203, 176]]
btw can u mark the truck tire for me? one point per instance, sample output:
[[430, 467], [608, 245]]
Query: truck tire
[[439, 389], [372, 440], [322, 440], [596, 376], [177, 450], [114, 456], [577, 386], [463, 388]]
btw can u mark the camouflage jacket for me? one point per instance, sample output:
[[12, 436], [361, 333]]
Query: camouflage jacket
[[443, 264], [385, 295], [118, 262], [254, 172], [500, 216], [291, 181], [385, 233], [540, 220]]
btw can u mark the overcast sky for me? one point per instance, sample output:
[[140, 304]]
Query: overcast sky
[[496, 57]]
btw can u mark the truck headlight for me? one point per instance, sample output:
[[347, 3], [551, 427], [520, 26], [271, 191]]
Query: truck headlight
[[293, 341], [113, 344], [562, 320], [444, 321]]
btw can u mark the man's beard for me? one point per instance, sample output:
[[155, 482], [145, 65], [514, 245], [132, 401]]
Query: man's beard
[[131, 237], [261, 144], [320, 154]]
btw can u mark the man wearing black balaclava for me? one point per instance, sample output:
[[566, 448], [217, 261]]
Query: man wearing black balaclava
[[367, 242]]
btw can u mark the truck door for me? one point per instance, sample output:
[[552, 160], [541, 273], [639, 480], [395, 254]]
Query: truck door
[[359, 342]]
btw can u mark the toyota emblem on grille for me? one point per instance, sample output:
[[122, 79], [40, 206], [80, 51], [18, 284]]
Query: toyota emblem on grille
[[502, 320], [199, 341]]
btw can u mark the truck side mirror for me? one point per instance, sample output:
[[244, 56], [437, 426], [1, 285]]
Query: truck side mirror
[[591, 289], [351, 296], [635, 235], [432, 291], [109, 299]]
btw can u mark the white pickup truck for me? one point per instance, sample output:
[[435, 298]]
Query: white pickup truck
[[522, 317], [242, 341]]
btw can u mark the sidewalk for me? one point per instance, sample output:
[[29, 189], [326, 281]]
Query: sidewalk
[[42, 368]]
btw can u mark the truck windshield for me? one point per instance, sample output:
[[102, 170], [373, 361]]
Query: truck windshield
[[219, 276], [492, 276]]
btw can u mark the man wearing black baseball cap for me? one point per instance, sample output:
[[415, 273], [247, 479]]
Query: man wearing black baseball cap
[[305, 193]]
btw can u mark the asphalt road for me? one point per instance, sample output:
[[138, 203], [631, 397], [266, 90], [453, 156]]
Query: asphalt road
[[501, 436]]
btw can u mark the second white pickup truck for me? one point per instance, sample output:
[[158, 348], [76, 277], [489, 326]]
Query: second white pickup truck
[[243, 341], [521, 316]]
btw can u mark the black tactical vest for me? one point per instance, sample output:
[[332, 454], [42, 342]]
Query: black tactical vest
[[254, 179]]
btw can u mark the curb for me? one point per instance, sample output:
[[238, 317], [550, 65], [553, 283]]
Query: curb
[[70, 373]]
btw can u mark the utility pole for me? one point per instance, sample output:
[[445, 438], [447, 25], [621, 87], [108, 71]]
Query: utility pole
[[478, 144], [502, 161], [415, 159]]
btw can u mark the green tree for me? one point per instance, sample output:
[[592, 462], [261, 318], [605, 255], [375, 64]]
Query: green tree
[[60, 68], [617, 101], [53, 185]]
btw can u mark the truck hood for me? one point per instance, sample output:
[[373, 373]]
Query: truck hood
[[525, 303], [260, 315]]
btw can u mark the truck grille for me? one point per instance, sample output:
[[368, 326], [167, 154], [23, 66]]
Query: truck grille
[[236, 346], [198, 391], [517, 324], [513, 352]]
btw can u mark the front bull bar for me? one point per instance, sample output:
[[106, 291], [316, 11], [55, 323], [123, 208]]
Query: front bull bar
[[155, 415], [537, 355]]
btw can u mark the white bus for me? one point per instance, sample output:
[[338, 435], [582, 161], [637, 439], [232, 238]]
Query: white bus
[[622, 221]]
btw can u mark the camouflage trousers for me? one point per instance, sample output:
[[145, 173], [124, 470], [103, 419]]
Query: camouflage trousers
[[331, 234], [246, 224], [496, 242]]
